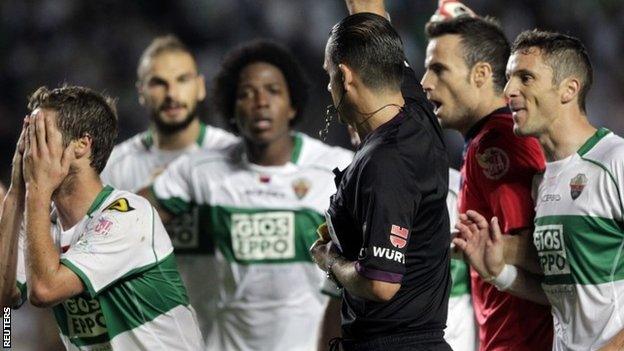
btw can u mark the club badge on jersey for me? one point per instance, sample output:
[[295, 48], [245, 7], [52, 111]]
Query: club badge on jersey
[[577, 184]]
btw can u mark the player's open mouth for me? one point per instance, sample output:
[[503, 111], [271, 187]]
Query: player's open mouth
[[436, 105], [172, 110], [262, 123], [517, 112]]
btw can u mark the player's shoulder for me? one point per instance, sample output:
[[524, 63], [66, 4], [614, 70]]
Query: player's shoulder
[[216, 138], [122, 204], [498, 133], [312, 152], [211, 158], [134, 146], [604, 147]]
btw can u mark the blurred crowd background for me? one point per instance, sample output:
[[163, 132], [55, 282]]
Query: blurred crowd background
[[98, 43]]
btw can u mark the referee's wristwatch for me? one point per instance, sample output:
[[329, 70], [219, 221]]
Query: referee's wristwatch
[[330, 274]]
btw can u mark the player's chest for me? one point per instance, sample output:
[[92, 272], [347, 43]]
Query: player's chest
[[578, 189], [304, 188]]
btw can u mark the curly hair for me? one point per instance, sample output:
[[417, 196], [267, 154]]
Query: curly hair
[[226, 81]]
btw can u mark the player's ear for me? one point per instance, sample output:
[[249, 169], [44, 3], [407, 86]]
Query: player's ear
[[569, 89], [346, 76], [201, 87], [82, 146], [481, 72], [139, 88]]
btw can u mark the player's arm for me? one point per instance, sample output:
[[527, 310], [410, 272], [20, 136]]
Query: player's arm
[[328, 259], [520, 251], [616, 343], [148, 193], [171, 193], [373, 6], [49, 282], [482, 245], [46, 165], [10, 221], [330, 324], [11, 217]]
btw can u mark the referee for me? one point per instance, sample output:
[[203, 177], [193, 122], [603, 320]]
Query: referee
[[388, 219]]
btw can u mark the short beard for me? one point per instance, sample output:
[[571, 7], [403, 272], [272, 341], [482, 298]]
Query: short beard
[[172, 128]]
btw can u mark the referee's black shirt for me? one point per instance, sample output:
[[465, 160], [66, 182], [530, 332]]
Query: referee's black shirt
[[389, 214]]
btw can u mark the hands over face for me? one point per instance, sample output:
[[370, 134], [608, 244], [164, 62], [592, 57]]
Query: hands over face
[[46, 161]]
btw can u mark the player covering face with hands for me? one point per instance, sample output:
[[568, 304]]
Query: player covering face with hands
[[94, 254]]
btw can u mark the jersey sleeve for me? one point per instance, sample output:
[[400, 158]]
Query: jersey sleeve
[[21, 268], [386, 213], [172, 188], [501, 171], [116, 243]]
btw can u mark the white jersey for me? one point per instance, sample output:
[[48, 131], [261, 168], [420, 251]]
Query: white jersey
[[461, 330], [263, 220], [136, 162], [133, 165], [134, 298], [579, 235]]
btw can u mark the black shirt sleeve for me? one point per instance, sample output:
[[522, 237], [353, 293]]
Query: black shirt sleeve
[[410, 86], [387, 203]]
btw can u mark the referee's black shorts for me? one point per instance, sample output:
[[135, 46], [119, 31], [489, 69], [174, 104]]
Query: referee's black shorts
[[426, 341]]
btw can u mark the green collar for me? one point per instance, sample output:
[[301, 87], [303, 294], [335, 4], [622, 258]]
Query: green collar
[[591, 142], [104, 193], [148, 138], [296, 152]]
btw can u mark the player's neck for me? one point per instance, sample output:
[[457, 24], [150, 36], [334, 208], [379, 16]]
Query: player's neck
[[565, 136], [482, 110], [75, 196], [374, 110], [275, 153], [178, 140]]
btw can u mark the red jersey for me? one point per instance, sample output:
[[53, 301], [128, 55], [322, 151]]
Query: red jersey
[[497, 175]]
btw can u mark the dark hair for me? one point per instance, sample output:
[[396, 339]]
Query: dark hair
[[368, 44], [81, 111], [565, 54], [482, 40], [158, 46], [226, 81]]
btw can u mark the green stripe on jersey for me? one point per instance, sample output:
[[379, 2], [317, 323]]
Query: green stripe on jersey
[[460, 277], [175, 205], [103, 195], [132, 301], [247, 236], [579, 249]]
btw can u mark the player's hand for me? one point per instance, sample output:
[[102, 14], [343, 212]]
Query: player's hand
[[481, 243], [374, 6], [46, 161], [17, 177], [322, 251]]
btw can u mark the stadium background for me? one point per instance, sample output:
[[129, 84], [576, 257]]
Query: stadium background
[[98, 43]]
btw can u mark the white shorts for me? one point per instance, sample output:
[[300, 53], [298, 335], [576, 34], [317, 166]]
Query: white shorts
[[461, 329]]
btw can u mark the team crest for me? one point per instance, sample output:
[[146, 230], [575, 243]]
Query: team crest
[[494, 162], [301, 187], [398, 236], [120, 205], [577, 184]]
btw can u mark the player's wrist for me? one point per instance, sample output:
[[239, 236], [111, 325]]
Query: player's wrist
[[503, 280], [331, 262]]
